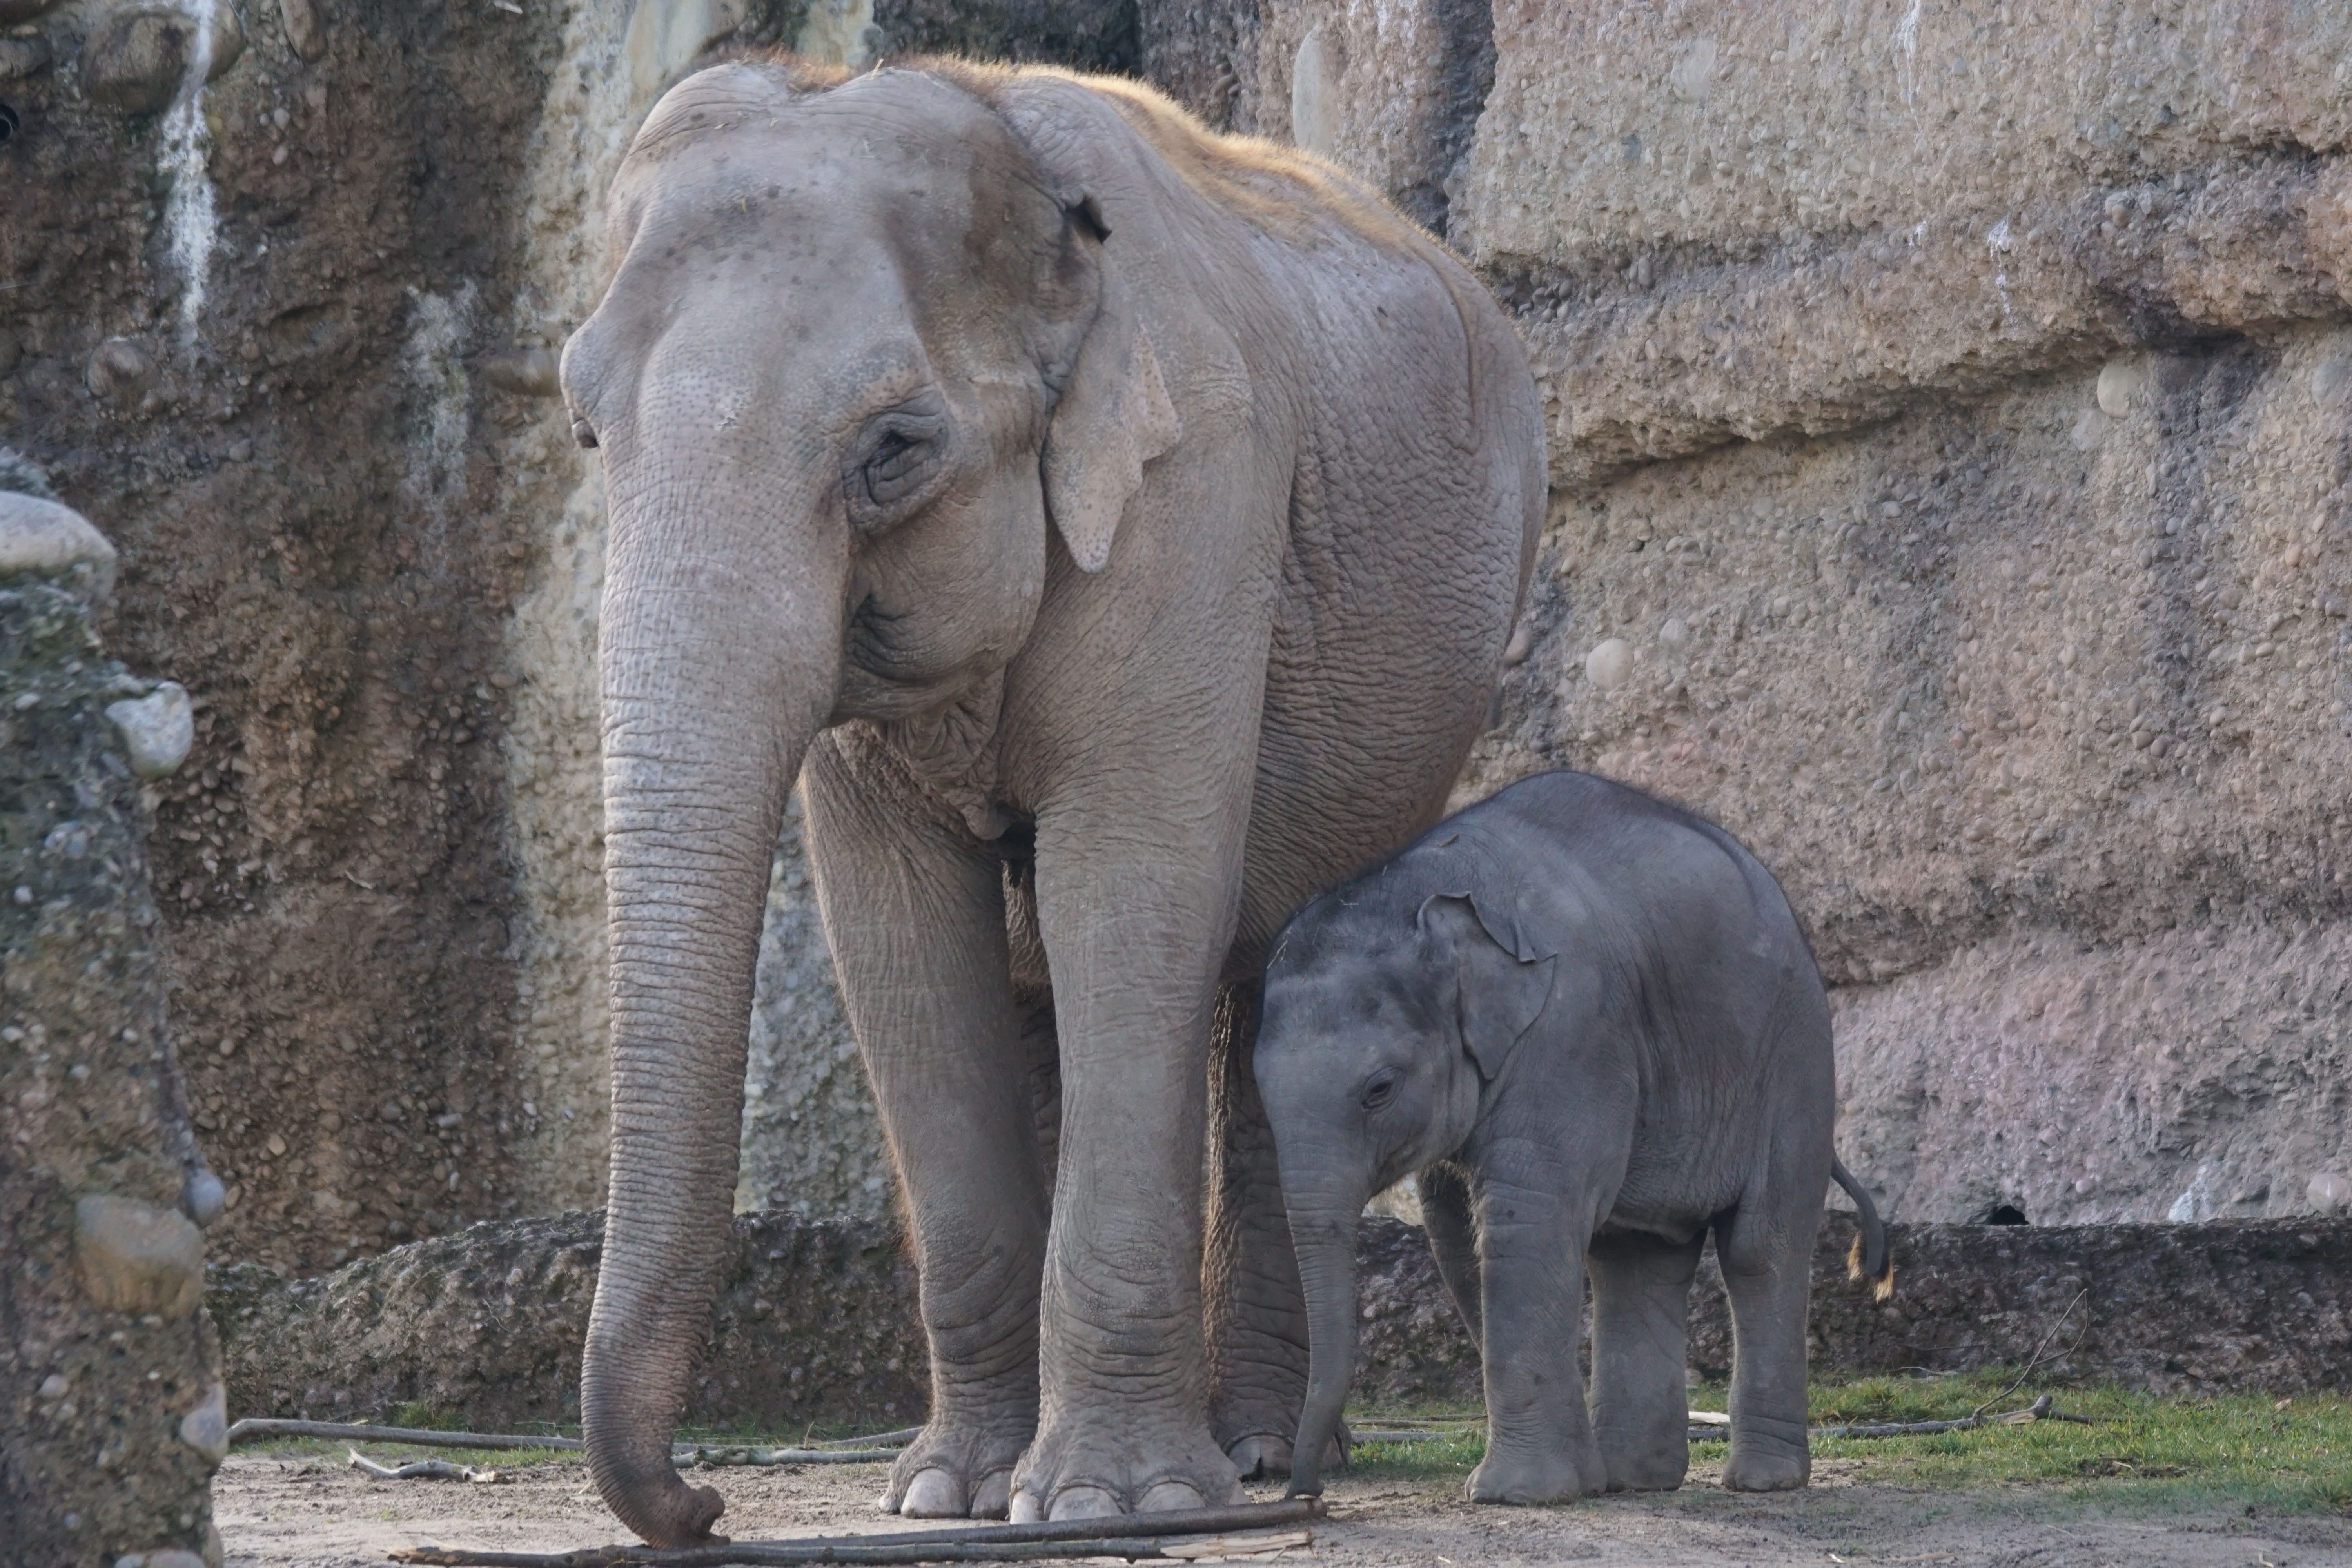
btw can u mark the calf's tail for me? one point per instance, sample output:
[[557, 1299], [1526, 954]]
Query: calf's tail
[[1867, 1261]]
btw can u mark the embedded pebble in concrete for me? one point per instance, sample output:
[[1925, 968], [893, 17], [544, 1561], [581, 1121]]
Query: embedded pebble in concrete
[[135, 59], [205, 1428], [304, 31], [2119, 383], [134, 1258], [120, 371], [157, 729], [1609, 664]]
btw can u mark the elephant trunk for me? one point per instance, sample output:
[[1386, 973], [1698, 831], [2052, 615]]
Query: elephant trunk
[[1323, 1232], [717, 674]]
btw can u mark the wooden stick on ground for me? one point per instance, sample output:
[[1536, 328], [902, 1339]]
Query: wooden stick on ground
[[1144, 1536], [426, 1470], [253, 1429]]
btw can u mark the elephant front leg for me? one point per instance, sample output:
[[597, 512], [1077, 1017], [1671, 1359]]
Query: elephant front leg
[[1134, 942], [914, 911], [1641, 1401], [1539, 1443], [1256, 1308]]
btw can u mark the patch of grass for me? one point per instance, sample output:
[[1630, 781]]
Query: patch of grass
[[2233, 1452]]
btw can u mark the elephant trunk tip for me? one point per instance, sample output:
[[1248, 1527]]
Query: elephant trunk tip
[[641, 1485]]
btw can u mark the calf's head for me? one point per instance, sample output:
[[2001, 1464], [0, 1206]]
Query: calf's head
[[1385, 1023]]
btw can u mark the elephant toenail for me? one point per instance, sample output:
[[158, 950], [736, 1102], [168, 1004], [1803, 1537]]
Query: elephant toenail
[[1084, 1501], [1025, 1508], [1169, 1497], [989, 1498], [932, 1494]]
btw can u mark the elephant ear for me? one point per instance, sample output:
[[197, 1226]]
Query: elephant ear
[[1114, 416], [1504, 983]]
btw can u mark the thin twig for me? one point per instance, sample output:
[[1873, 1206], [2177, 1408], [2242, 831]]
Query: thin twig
[[1143, 1536], [2029, 1365], [426, 1470]]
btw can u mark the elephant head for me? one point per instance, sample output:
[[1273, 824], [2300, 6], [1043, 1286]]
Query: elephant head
[[1386, 1017], [862, 354]]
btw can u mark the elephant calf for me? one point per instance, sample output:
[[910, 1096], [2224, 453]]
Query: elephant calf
[[1591, 1023]]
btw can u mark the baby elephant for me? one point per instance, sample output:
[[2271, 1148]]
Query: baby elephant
[[1590, 1023]]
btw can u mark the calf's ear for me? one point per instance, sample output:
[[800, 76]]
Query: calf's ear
[[1504, 985]]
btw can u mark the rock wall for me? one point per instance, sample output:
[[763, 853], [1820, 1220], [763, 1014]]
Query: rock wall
[[1949, 428], [1949, 421], [815, 1321], [112, 1413]]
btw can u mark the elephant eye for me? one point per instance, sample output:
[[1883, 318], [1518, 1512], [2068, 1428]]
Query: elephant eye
[[896, 462], [1381, 1090]]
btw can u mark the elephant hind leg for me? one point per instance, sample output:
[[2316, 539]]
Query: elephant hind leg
[[1641, 1410], [1256, 1308], [1444, 1190], [1767, 1260]]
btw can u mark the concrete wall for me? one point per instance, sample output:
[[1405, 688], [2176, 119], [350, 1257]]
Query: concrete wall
[[1950, 423], [1949, 418]]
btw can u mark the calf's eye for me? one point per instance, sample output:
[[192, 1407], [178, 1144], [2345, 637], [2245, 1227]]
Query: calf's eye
[[1381, 1090]]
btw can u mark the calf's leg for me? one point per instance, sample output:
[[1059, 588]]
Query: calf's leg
[[1641, 1410]]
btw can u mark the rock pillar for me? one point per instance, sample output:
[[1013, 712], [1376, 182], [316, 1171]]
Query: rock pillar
[[112, 1411]]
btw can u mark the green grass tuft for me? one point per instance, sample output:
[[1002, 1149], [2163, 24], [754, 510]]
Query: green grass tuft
[[2160, 1452]]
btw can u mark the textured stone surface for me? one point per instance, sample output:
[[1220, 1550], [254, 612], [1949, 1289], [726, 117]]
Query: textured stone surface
[[814, 1321], [1949, 412], [103, 1352], [816, 1318], [2052, 754]]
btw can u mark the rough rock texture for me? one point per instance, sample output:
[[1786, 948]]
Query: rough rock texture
[[296, 497], [1949, 410], [1950, 415], [110, 1396], [816, 1320]]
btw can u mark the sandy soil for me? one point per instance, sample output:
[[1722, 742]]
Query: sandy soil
[[283, 1511]]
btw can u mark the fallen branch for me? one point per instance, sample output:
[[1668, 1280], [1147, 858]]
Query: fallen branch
[[1718, 1426], [898, 1439], [711, 1456], [704, 1455], [426, 1470], [1143, 1535], [253, 1429]]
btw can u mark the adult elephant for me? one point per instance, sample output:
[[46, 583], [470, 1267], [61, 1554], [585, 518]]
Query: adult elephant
[[1115, 529]]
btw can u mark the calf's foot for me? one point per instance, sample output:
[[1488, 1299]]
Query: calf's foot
[[1766, 1465]]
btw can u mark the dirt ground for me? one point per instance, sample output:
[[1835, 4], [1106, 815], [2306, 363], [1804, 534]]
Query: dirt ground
[[283, 1511]]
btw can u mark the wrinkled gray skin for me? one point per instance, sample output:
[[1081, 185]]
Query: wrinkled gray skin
[[1114, 556], [1592, 1024]]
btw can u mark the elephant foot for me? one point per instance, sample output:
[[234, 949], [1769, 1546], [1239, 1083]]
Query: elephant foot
[[1094, 1467], [1749, 1471], [1645, 1461], [954, 1474], [1263, 1456], [1527, 1479], [1648, 1472]]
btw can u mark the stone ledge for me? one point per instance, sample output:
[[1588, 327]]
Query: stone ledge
[[816, 1318]]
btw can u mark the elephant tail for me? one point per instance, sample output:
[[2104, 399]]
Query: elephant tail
[[1868, 1259]]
